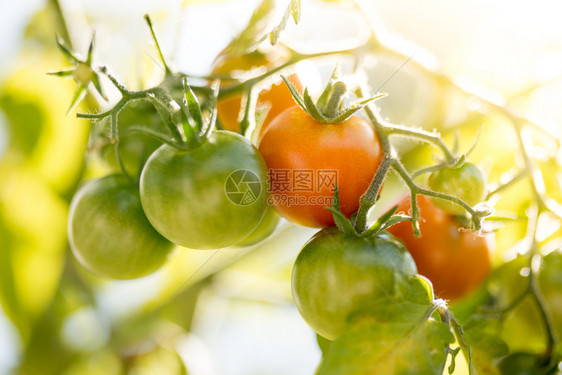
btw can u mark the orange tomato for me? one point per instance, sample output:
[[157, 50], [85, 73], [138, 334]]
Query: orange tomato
[[457, 262], [277, 97], [306, 159]]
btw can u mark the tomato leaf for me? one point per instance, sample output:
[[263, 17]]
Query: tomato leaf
[[294, 9], [398, 338], [254, 33], [485, 347]]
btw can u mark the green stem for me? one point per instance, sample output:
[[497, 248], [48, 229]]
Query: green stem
[[368, 199], [415, 189], [457, 331], [505, 185], [420, 134], [235, 89]]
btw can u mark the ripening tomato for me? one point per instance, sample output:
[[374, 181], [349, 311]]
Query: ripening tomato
[[337, 275], [457, 262], [109, 232], [307, 159], [277, 97], [209, 197]]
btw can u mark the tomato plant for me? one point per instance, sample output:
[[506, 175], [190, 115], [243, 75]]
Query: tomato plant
[[355, 282], [456, 261], [208, 197], [467, 182], [337, 275], [276, 97], [109, 232]]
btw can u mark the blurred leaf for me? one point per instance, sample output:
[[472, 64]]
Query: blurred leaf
[[294, 10], [254, 33], [550, 283], [395, 335], [486, 347], [41, 136], [415, 347], [35, 218]]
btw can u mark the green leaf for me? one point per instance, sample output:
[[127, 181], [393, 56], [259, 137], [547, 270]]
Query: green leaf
[[402, 340], [485, 347], [254, 33], [294, 9]]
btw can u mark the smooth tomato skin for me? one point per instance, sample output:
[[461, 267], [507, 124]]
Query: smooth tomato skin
[[294, 141], [184, 193], [109, 233], [467, 182], [277, 96], [264, 229], [336, 275], [457, 262]]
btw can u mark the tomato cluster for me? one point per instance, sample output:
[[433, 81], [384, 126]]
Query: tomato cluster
[[312, 164]]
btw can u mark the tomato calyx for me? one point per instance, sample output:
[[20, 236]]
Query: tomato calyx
[[388, 219], [83, 73], [328, 109]]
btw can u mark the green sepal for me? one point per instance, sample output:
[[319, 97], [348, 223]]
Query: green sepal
[[294, 93], [312, 109], [79, 94], [355, 107], [339, 219], [90, 51], [215, 86], [65, 51], [97, 85], [385, 221], [193, 106], [62, 73]]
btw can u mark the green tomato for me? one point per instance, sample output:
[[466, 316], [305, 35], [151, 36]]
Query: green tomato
[[134, 149], [264, 229], [209, 197], [466, 182], [109, 232], [336, 276]]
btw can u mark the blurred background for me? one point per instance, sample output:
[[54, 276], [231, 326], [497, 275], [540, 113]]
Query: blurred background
[[227, 312]]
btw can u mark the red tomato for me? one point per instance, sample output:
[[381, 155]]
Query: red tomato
[[306, 159], [457, 262]]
